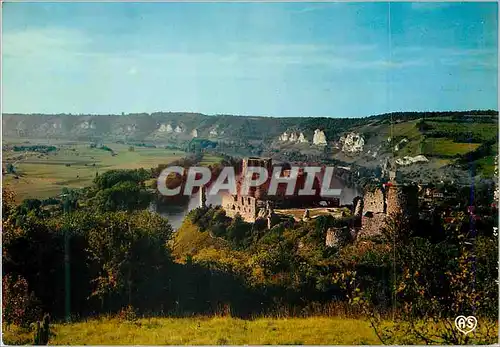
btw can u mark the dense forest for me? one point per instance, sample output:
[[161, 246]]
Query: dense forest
[[98, 251]]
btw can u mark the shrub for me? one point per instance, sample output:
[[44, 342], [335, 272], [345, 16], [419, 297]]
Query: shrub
[[18, 305]]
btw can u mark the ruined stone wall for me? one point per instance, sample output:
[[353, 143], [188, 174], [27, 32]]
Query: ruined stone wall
[[332, 239], [384, 202], [374, 201], [372, 225], [262, 162], [337, 237], [245, 206], [402, 199], [257, 192], [395, 200]]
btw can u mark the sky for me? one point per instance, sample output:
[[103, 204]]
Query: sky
[[261, 59]]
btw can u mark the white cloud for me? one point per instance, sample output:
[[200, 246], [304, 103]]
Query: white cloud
[[47, 52], [55, 47], [449, 56], [50, 42]]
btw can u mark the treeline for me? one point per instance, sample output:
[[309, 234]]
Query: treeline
[[457, 135], [456, 131], [101, 146], [407, 116], [34, 148]]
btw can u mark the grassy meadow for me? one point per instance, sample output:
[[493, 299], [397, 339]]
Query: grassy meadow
[[205, 331], [447, 148], [75, 165], [221, 331]]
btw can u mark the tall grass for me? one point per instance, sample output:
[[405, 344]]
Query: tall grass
[[204, 330], [222, 329]]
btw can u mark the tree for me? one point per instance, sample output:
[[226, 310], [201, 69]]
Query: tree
[[238, 230], [125, 196], [131, 256], [19, 306], [10, 168], [438, 282]]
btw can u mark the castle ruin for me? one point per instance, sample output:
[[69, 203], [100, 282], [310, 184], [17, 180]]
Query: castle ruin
[[257, 204], [381, 202], [252, 205]]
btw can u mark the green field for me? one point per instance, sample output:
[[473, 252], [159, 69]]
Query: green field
[[75, 165], [424, 143], [443, 147], [210, 159], [483, 131], [410, 131], [486, 166]]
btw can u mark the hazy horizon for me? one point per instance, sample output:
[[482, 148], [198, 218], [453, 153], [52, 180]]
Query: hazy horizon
[[340, 60]]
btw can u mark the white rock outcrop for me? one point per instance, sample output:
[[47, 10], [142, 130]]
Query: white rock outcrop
[[302, 138], [400, 144], [405, 161], [319, 138], [352, 143], [87, 125], [293, 137], [213, 133], [178, 129], [194, 133], [165, 128], [284, 137]]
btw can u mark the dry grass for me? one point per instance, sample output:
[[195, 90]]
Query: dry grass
[[226, 331], [206, 331]]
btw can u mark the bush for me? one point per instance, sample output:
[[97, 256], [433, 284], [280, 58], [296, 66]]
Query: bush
[[18, 305]]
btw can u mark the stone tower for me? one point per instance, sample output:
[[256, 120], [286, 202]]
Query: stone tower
[[203, 196], [260, 191], [380, 203], [389, 169], [401, 199]]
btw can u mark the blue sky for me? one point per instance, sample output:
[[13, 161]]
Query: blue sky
[[267, 59]]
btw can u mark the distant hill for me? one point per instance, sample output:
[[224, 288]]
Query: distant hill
[[450, 141], [167, 126], [443, 137], [164, 126]]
